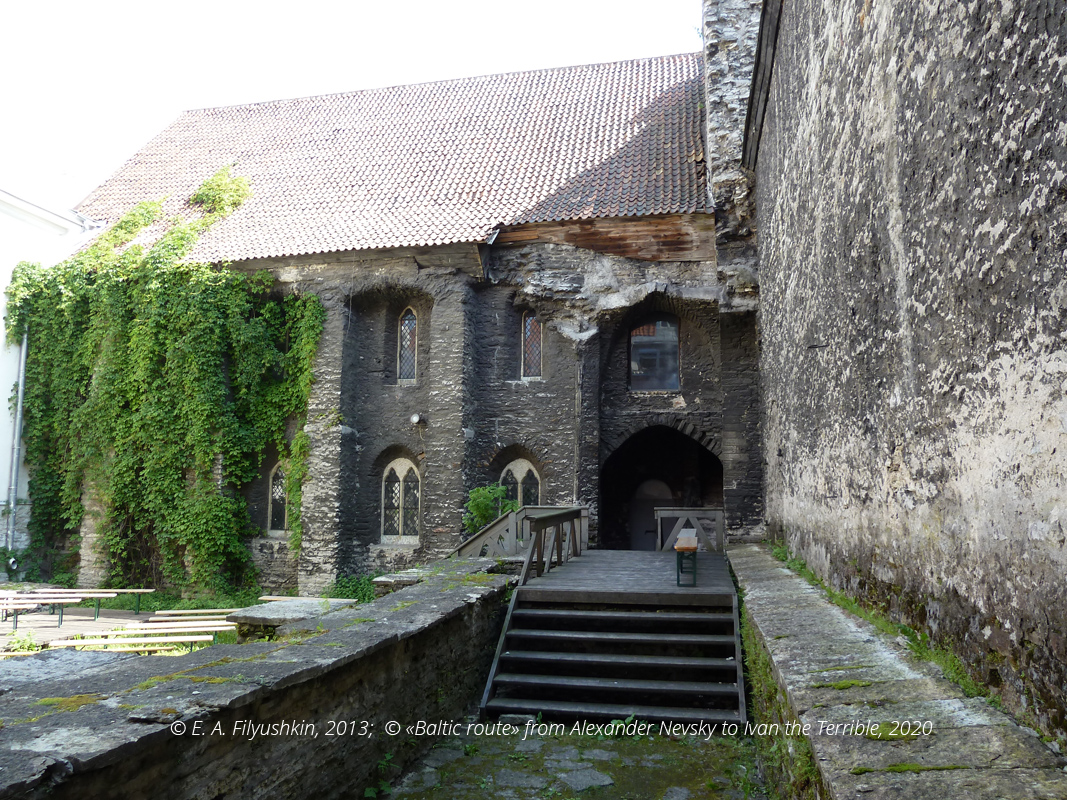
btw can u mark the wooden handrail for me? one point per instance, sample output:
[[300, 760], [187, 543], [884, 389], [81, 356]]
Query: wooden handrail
[[556, 526], [510, 534]]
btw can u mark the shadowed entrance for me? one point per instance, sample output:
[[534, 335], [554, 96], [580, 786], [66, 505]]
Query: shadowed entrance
[[658, 466]]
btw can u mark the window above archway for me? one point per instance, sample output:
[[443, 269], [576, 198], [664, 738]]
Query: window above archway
[[654, 355], [521, 483]]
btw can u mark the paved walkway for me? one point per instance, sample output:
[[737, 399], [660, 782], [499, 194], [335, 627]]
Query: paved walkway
[[836, 669], [570, 765]]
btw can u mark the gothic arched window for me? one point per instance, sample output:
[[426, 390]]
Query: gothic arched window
[[277, 508], [400, 502], [521, 483], [531, 345], [654, 355], [407, 346]]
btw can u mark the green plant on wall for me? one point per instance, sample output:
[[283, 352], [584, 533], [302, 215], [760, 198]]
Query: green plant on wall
[[484, 504], [154, 386]]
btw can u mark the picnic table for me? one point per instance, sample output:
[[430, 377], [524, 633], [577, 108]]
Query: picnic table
[[14, 602], [136, 592]]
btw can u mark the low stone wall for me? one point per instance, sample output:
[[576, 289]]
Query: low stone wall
[[105, 725], [843, 711]]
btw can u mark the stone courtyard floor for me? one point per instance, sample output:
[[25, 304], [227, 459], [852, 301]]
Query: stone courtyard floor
[[580, 766]]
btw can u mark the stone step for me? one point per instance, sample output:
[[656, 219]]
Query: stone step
[[562, 709], [547, 638], [601, 619], [593, 684]]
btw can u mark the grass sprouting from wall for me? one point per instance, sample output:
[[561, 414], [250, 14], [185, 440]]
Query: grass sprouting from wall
[[919, 643]]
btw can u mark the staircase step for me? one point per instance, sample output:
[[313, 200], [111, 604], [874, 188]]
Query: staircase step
[[614, 659], [623, 637], [654, 617], [609, 711], [618, 685]]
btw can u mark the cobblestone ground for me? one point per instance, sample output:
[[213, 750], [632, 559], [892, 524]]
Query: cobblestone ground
[[585, 766]]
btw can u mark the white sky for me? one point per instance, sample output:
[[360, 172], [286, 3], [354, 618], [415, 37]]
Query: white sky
[[86, 84]]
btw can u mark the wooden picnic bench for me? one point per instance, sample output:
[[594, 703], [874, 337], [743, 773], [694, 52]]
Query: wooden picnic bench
[[685, 549], [136, 592], [149, 642], [192, 614], [88, 594], [23, 602], [152, 635]]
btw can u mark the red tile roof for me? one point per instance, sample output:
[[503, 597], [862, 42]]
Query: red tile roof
[[433, 163]]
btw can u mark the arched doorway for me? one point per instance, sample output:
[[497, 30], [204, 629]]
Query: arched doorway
[[656, 467]]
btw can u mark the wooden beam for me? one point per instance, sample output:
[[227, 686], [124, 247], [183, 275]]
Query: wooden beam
[[670, 237]]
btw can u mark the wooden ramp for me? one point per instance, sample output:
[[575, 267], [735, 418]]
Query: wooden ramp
[[609, 634]]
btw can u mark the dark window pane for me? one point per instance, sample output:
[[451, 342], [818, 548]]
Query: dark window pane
[[411, 504], [531, 490], [654, 356], [511, 486], [531, 346], [391, 505], [277, 501], [406, 353]]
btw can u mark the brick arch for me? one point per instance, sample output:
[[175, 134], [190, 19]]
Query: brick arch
[[667, 454], [679, 422]]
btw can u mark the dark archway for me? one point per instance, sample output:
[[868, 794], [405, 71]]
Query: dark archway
[[635, 476]]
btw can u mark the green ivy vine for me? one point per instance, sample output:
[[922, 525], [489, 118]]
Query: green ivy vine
[[153, 388]]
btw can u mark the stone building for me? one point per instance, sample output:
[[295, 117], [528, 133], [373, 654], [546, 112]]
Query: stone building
[[549, 278], [522, 285]]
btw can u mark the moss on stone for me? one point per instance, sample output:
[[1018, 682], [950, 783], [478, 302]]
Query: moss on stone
[[72, 703], [842, 685]]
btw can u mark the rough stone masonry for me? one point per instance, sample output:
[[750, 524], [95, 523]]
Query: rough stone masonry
[[912, 195]]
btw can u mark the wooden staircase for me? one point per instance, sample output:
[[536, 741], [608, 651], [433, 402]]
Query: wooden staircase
[[593, 661]]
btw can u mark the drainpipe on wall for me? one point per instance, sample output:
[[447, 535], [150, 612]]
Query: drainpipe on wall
[[16, 448]]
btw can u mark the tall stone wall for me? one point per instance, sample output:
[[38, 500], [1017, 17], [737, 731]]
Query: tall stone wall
[[912, 196]]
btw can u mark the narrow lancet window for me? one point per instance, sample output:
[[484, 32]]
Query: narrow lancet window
[[390, 505], [531, 489], [407, 346], [511, 486], [277, 500], [531, 346]]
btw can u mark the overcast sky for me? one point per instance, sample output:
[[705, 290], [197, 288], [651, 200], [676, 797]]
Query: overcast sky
[[85, 85]]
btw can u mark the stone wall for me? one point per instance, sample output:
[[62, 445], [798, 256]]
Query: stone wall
[[422, 653], [912, 181]]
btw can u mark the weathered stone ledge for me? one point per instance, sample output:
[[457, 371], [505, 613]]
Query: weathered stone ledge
[[834, 668], [420, 653]]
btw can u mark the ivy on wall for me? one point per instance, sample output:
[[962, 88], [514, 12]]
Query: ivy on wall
[[152, 388]]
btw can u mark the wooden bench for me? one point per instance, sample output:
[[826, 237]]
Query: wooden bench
[[149, 642], [192, 615], [136, 592], [24, 602], [685, 550], [150, 635], [87, 594]]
